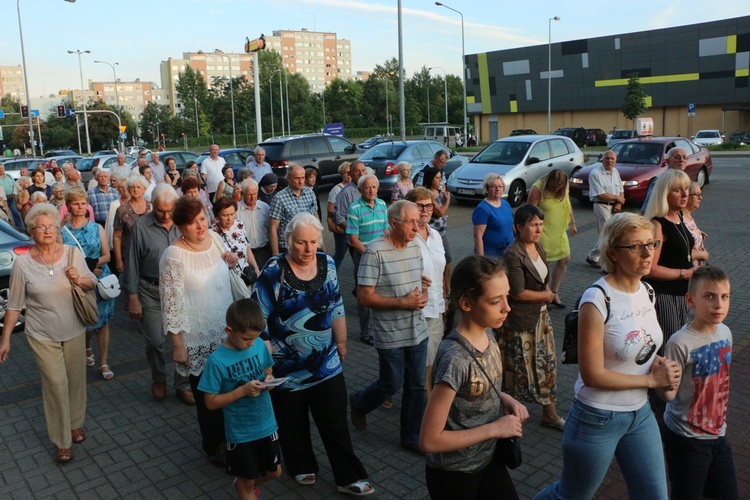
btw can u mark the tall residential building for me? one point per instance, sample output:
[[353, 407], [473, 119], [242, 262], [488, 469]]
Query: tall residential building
[[11, 82], [132, 96]]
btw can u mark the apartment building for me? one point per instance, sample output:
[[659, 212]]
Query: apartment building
[[11, 82]]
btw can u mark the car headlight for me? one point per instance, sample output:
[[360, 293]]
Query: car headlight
[[630, 183], [575, 180]]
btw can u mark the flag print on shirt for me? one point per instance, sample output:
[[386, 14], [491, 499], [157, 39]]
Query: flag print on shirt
[[710, 377]]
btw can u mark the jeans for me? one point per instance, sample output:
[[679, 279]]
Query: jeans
[[15, 213], [365, 328], [153, 334], [700, 468], [402, 366], [340, 246], [592, 436]]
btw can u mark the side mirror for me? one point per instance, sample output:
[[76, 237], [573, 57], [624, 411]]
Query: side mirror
[[453, 153], [531, 160], [599, 158]]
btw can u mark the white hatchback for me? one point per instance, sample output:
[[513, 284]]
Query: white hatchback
[[708, 138]]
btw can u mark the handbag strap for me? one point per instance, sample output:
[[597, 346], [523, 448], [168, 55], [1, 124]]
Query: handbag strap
[[216, 241], [74, 239], [474, 357]]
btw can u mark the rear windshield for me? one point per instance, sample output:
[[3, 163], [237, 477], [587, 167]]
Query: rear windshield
[[622, 134], [503, 153], [388, 150], [273, 150]]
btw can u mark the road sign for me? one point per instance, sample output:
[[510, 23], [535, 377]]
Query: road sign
[[70, 112], [123, 128], [2, 113], [691, 109], [123, 136], [34, 113]]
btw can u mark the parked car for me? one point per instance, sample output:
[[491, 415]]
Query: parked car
[[708, 138], [577, 134], [13, 167], [745, 139], [86, 165], [383, 159], [522, 131], [736, 136], [134, 150], [521, 160], [182, 157], [640, 160], [596, 137], [322, 152], [60, 152], [104, 152], [374, 141], [13, 242], [619, 136], [237, 157]]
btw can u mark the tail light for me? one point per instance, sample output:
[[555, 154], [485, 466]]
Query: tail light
[[21, 250], [390, 168], [279, 163]]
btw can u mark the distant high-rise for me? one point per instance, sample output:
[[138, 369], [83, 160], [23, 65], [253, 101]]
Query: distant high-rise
[[11, 82]]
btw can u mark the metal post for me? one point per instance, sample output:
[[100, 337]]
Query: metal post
[[39, 129], [401, 100], [256, 89], [387, 110], [286, 84], [445, 88], [428, 99], [25, 79], [549, 74], [83, 96], [281, 103], [463, 68], [270, 89], [117, 96], [231, 93], [195, 101]]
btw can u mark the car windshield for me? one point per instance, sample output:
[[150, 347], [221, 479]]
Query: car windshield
[[503, 153], [85, 164], [638, 153], [386, 151], [621, 134], [706, 134]]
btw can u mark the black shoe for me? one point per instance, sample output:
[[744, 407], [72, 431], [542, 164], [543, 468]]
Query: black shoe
[[593, 263], [359, 420], [559, 305], [219, 458], [412, 446], [368, 340]]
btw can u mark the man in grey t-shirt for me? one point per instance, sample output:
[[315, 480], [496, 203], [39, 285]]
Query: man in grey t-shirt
[[391, 284]]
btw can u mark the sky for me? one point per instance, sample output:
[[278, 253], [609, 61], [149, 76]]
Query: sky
[[139, 34]]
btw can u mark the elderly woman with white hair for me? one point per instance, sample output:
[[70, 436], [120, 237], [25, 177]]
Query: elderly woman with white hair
[[492, 219], [40, 283], [306, 327], [126, 215]]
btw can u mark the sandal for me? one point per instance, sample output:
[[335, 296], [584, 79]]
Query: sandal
[[63, 455], [388, 404], [107, 374], [558, 424], [90, 361], [305, 479], [358, 489], [78, 435]]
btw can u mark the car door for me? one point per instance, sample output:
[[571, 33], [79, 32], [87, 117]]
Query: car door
[[538, 163], [561, 157], [337, 151]]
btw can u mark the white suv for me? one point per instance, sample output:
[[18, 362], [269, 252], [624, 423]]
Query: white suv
[[708, 138]]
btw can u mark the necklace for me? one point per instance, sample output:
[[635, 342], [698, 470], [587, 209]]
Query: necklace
[[680, 226], [50, 271], [191, 247]]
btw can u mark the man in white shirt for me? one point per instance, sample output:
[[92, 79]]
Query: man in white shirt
[[157, 168], [121, 169], [257, 165], [211, 170], [255, 215], [607, 195]]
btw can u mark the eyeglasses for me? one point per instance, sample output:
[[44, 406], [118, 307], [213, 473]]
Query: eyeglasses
[[680, 157], [639, 247], [44, 229], [424, 206], [410, 222], [497, 187], [699, 195]]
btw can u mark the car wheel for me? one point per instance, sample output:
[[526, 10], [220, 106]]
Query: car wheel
[[4, 287], [516, 193], [702, 178]]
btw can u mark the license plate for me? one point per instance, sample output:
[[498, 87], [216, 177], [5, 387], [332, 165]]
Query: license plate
[[585, 192], [465, 191]]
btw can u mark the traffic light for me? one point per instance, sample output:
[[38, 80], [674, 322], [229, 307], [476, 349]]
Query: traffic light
[[61, 111], [25, 111]]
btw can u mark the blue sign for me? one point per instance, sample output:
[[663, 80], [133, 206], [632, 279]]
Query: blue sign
[[334, 129], [123, 136], [2, 113], [34, 113], [691, 108], [70, 112]]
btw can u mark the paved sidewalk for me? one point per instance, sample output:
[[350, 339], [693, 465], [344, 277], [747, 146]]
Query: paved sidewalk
[[137, 448]]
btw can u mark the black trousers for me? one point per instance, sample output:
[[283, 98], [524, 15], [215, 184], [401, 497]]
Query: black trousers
[[491, 482], [211, 422], [327, 403]]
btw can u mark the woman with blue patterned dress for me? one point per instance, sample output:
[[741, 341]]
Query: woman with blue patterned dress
[[306, 327], [93, 241]]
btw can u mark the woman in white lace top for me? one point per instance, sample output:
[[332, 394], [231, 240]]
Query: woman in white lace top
[[195, 293]]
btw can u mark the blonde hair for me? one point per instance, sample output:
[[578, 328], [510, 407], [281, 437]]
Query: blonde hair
[[614, 231], [667, 181]]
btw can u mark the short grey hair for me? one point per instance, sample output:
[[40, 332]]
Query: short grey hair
[[41, 209], [244, 173], [489, 179], [101, 171], [303, 219], [397, 210], [361, 181], [249, 184], [258, 149], [164, 193], [137, 179], [402, 165], [57, 185], [24, 178], [38, 197]]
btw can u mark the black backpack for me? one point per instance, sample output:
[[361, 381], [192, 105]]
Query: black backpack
[[569, 355]]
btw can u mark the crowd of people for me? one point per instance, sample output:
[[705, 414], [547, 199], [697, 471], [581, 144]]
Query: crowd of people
[[468, 346]]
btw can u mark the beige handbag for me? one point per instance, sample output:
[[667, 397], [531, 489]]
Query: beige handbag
[[83, 302]]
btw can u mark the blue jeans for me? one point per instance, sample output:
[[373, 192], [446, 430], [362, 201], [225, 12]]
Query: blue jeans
[[340, 246], [592, 436], [402, 366], [365, 326]]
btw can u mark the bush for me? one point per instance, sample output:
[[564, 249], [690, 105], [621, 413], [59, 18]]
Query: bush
[[729, 146]]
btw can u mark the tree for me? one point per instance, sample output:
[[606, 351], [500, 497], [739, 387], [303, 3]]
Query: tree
[[154, 117], [635, 98], [191, 90]]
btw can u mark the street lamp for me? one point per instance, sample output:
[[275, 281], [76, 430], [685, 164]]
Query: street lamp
[[83, 96], [463, 69], [281, 95], [445, 89], [231, 92], [117, 94], [286, 85], [549, 75]]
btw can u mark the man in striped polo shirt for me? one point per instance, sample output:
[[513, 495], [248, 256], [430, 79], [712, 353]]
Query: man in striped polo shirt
[[365, 221]]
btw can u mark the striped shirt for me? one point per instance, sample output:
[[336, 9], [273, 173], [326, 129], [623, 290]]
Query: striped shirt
[[367, 222], [394, 273]]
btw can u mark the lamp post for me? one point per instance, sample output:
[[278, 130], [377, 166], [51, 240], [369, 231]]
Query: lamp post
[[463, 69], [83, 96], [117, 94], [231, 93], [286, 85], [270, 90], [549, 74], [445, 89], [195, 101], [281, 95], [387, 110]]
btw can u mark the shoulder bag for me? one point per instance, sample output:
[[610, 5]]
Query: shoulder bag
[[239, 288], [108, 286], [83, 302], [507, 450]]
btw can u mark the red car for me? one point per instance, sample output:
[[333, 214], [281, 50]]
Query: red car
[[640, 160]]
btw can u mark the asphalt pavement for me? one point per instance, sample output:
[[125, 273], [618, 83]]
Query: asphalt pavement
[[138, 448]]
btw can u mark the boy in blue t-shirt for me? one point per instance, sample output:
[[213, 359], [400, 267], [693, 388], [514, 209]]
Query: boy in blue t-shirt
[[232, 380], [695, 444]]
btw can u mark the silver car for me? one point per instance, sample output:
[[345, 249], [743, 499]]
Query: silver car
[[521, 160]]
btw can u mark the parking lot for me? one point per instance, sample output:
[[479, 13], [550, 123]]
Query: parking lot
[[138, 448]]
